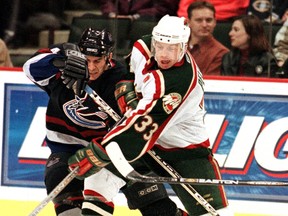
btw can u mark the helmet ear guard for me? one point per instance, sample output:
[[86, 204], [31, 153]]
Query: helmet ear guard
[[96, 42]]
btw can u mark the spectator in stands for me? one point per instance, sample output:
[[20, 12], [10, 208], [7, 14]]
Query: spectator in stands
[[205, 49], [285, 16], [139, 9], [251, 54], [5, 60], [262, 9], [225, 10], [281, 47]]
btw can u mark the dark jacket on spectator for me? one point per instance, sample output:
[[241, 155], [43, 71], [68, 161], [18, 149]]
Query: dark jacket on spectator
[[256, 65]]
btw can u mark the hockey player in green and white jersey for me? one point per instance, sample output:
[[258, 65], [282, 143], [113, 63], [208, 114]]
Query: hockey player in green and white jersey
[[168, 119]]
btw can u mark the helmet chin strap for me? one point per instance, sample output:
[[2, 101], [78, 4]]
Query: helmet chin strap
[[108, 63], [183, 51]]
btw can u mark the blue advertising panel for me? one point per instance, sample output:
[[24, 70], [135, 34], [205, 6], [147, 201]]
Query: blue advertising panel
[[248, 134], [262, 111], [20, 104]]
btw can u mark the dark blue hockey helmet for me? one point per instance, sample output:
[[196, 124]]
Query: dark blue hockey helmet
[[96, 42]]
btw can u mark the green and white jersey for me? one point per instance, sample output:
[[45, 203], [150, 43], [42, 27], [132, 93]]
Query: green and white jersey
[[170, 112]]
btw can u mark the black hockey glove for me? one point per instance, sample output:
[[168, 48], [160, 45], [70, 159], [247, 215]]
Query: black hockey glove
[[75, 73]]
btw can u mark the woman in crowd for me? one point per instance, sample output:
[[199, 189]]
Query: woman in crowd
[[251, 53]]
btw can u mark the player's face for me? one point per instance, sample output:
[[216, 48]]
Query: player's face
[[238, 36], [202, 22], [96, 66], [166, 55]]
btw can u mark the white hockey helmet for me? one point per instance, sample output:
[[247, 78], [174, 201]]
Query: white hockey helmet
[[171, 29]]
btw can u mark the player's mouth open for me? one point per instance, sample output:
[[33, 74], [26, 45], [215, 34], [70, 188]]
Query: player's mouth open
[[164, 62]]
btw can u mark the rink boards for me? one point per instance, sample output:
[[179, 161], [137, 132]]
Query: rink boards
[[247, 120]]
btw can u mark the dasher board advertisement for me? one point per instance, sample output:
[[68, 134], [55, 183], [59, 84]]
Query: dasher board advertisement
[[247, 120]]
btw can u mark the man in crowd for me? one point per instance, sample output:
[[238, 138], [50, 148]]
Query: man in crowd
[[205, 49]]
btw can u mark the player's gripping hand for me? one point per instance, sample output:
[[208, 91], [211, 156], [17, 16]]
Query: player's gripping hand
[[90, 160], [125, 95], [75, 73]]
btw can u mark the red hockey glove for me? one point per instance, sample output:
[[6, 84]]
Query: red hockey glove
[[90, 160], [125, 95]]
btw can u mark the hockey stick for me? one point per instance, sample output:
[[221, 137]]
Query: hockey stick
[[55, 191], [122, 165], [134, 176], [99, 101], [128, 172]]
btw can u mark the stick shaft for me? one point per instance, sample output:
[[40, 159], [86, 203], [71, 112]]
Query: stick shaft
[[211, 182], [100, 102], [55, 191]]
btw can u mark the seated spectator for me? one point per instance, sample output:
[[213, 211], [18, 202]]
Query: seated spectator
[[251, 54], [205, 49], [5, 60], [281, 44], [281, 47], [225, 10], [139, 9], [285, 16], [262, 9]]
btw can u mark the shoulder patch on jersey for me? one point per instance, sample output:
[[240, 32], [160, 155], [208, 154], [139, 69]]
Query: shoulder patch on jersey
[[171, 102]]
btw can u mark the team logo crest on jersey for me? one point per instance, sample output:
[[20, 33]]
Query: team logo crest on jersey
[[84, 115], [171, 102]]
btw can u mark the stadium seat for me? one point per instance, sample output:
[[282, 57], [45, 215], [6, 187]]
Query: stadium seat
[[139, 28]]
